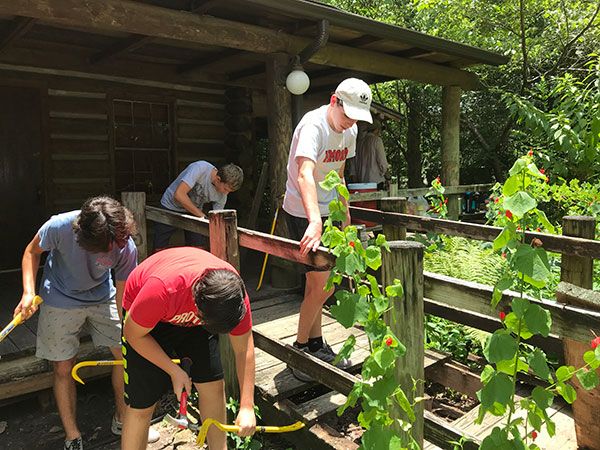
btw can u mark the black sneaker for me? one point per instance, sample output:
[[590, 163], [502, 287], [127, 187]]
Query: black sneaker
[[326, 353], [75, 444]]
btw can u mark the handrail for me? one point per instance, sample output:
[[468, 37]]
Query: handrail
[[554, 243], [416, 192], [569, 321]]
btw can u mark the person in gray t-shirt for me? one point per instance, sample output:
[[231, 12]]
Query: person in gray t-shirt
[[77, 288], [199, 184]]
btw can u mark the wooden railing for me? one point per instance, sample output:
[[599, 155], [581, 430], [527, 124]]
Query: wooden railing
[[394, 191], [462, 301]]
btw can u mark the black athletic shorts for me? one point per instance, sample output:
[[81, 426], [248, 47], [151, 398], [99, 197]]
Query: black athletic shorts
[[296, 228], [146, 383]]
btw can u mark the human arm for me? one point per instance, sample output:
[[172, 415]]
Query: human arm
[[243, 349], [308, 191], [120, 285], [182, 197], [30, 264], [142, 342]]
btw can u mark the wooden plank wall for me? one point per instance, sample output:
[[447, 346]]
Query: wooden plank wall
[[200, 130], [79, 159], [79, 147]]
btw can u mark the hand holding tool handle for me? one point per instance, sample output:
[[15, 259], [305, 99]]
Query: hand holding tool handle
[[18, 319]]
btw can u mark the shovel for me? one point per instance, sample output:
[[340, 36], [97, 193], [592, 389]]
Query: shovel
[[104, 362], [181, 421], [234, 429], [18, 319]]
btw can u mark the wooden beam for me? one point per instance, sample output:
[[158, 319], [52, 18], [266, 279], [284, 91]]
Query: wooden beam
[[244, 73], [451, 144], [567, 321], [579, 271], [125, 46], [414, 192], [405, 318], [554, 243], [138, 18], [136, 203], [224, 245], [572, 294], [19, 27], [183, 221], [437, 431], [203, 6], [207, 61]]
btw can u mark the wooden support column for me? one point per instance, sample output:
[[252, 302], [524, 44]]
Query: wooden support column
[[406, 318], [224, 245], [136, 203], [578, 270], [397, 205], [451, 144], [279, 121]]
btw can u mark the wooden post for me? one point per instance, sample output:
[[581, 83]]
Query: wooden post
[[279, 121], [406, 318], [394, 204], [224, 245], [578, 270], [451, 144], [136, 203]]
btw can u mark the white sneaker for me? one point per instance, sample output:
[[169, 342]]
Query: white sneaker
[[116, 428]]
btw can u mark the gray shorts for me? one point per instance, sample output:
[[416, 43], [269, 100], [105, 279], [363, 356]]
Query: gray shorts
[[59, 329]]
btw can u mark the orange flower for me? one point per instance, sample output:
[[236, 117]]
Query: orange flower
[[509, 215]]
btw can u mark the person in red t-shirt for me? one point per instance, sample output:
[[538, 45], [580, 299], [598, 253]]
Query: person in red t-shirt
[[176, 303]]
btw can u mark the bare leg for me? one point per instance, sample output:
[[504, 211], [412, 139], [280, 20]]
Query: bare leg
[[211, 403], [135, 428], [309, 323], [118, 385], [65, 393]]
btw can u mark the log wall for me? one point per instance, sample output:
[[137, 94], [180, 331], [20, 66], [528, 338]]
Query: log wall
[[80, 157]]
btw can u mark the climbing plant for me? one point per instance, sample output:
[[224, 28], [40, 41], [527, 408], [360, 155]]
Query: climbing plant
[[527, 265], [364, 303]]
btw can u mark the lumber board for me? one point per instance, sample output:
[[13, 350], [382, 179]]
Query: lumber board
[[572, 294], [148, 20], [554, 243], [183, 221], [312, 410], [567, 321], [316, 437]]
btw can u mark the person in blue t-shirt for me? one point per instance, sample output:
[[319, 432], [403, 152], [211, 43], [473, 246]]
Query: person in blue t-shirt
[[200, 183], [79, 293]]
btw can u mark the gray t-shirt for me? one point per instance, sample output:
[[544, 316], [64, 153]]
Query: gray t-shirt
[[314, 139], [198, 177], [74, 277]]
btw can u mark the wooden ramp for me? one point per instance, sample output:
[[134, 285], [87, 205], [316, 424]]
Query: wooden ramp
[[276, 386]]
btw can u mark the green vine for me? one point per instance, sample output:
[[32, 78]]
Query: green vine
[[515, 209], [364, 304]]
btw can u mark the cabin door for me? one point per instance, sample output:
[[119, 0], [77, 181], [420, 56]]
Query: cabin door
[[21, 182]]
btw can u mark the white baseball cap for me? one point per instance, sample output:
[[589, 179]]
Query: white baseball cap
[[356, 99]]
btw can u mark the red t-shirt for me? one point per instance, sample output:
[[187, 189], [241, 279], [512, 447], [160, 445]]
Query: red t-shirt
[[160, 288]]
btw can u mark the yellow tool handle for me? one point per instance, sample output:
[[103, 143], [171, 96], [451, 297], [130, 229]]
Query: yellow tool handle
[[37, 301], [264, 264], [234, 429], [101, 362]]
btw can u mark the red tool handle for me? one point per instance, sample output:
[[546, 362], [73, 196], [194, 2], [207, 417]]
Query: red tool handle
[[186, 364], [183, 404]]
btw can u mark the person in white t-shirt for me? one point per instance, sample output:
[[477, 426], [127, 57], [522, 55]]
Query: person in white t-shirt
[[322, 141], [200, 183]]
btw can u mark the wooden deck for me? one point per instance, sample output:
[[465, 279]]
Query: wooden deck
[[275, 314]]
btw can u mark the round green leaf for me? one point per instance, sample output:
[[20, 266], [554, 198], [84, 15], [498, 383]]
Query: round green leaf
[[501, 346], [520, 203]]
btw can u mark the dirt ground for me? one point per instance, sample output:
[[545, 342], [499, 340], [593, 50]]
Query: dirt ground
[[26, 425]]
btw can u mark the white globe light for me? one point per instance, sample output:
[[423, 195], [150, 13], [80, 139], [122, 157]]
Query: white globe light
[[297, 82]]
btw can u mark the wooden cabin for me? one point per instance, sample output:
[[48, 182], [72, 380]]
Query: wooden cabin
[[106, 96]]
